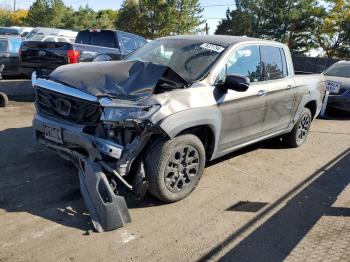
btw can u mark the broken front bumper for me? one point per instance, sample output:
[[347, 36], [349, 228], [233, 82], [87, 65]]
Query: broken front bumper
[[107, 210]]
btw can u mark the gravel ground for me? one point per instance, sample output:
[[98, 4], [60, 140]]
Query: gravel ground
[[264, 203]]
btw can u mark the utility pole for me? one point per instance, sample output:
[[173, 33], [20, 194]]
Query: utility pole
[[14, 6], [206, 29]]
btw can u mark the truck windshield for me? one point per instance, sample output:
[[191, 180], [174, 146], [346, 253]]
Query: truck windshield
[[190, 59], [339, 69]]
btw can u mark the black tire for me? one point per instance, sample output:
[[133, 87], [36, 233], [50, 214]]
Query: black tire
[[298, 135], [3, 100], [174, 167]]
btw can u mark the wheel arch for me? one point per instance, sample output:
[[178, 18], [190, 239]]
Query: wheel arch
[[202, 122], [312, 106]]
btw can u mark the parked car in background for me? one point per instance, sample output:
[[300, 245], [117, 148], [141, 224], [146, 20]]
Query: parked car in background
[[44, 31], [90, 45], [23, 30], [52, 38], [338, 85], [10, 31], [153, 120], [9, 57]]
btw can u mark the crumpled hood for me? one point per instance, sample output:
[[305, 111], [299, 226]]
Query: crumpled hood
[[123, 79]]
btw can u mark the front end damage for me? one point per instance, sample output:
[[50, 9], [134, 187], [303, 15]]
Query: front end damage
[[106, 139]]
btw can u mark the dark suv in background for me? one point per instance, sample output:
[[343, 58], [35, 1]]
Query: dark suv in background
[[90, 45]]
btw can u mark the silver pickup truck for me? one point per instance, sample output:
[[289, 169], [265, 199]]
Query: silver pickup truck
[[153, 120]]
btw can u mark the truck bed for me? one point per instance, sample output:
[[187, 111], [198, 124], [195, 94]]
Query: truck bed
[[44, 57]]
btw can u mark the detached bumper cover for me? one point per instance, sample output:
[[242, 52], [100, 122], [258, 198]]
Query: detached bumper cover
[[108, 211]]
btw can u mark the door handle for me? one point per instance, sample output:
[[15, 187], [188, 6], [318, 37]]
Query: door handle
[[289, 87], [261, 93]]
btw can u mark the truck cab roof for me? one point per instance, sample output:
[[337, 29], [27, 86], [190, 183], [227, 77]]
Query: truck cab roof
[[222, 40]]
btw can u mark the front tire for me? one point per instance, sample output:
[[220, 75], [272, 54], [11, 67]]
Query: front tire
[[174, 167], [298, 135]]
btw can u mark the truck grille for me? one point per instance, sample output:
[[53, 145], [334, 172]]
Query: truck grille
[[67, 108]]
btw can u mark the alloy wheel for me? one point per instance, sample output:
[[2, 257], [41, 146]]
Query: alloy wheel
[[303, 128], [182, 169]]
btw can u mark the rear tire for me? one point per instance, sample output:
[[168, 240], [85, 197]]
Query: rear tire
[[174, 167], [298, 135]]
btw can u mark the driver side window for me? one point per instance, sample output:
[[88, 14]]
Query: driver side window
[[244, 61]]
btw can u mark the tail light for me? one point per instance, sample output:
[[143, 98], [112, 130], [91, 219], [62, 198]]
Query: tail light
[[20, 54], [73, 56]]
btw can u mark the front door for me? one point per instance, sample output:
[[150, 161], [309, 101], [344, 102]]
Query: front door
[[242, 112]]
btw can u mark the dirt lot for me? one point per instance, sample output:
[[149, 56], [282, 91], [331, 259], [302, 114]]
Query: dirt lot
[[263, 203]]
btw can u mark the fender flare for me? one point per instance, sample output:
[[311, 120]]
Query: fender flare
[[180, 121]]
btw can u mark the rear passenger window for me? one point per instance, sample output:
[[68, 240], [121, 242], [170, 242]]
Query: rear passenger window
[[284, 63], [83, 38], [103, 38], [274, 63]]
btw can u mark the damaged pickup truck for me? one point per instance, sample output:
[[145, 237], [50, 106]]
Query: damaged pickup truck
[[152, 121]]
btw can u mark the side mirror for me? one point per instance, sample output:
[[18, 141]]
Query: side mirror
[[237, 83]]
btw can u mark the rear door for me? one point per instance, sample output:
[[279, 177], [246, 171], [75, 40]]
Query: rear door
[[279, 87]]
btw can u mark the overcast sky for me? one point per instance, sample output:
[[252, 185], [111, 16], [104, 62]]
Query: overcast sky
[[213, 9]]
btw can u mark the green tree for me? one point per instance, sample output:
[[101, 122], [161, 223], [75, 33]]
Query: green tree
[[288, 21], [333, 33], [156, 18], [106, 18], [57, 11], [39, 14], [83, 18], [5, 17], [129, 18], [188, 16]]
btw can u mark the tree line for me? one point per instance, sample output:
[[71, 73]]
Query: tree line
[[301, 24], [149, 18], [54, 13]]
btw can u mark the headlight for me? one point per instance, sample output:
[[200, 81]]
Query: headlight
[[128, 113]]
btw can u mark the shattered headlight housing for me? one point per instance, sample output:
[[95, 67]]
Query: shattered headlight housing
[[128, 113]]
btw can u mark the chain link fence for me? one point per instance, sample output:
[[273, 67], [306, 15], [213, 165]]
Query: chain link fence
[[312, 64]]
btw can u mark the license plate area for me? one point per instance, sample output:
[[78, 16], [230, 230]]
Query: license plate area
[[333, 87], [53, 133]]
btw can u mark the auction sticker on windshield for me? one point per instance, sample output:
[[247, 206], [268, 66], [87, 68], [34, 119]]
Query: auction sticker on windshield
[[333, 87], [211, 47]]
